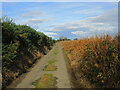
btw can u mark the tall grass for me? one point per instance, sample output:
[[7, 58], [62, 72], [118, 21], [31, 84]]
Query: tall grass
[[96, 58]]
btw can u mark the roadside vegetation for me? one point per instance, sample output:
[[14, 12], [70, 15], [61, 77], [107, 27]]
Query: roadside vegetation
[[50, 66], [46, 81], [55, 52], [51, 63], [95, 59], [21, 47]]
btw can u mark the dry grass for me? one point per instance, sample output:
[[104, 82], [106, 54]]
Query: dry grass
[[96, 58]]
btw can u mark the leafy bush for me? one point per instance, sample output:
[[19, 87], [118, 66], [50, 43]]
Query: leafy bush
[[21, 45]]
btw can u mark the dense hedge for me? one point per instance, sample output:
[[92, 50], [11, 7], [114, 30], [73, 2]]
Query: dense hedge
[[20, 43]]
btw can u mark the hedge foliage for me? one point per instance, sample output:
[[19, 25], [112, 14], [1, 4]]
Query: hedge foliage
[[17, 41]]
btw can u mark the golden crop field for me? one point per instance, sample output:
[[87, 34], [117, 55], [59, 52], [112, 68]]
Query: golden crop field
[[96, 59]]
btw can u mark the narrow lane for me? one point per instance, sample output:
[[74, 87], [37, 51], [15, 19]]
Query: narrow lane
[[37, 71]]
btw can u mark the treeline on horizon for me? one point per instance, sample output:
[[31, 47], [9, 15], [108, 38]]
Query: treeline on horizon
[[21, 47]]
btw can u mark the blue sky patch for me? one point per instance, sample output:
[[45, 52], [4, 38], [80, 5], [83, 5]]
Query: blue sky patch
[[69, 19]]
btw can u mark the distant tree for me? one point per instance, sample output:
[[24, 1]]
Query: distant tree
[[76, 39], [62, 38]]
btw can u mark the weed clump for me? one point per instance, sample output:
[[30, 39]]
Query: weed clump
[[46, 81]]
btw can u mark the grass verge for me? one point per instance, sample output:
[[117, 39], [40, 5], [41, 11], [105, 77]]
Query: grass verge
[[50, 67], [46, 81], [51, 61], [56, 51]]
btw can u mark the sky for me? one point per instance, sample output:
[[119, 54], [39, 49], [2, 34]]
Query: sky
[[68, 19], [59, 0]]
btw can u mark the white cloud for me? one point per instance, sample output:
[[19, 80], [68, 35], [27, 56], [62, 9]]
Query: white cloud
[[35, 21], [105, 23], [89, 11], [110, 17], [32, 14], [52, 37], [78, 32], [50, 33]]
